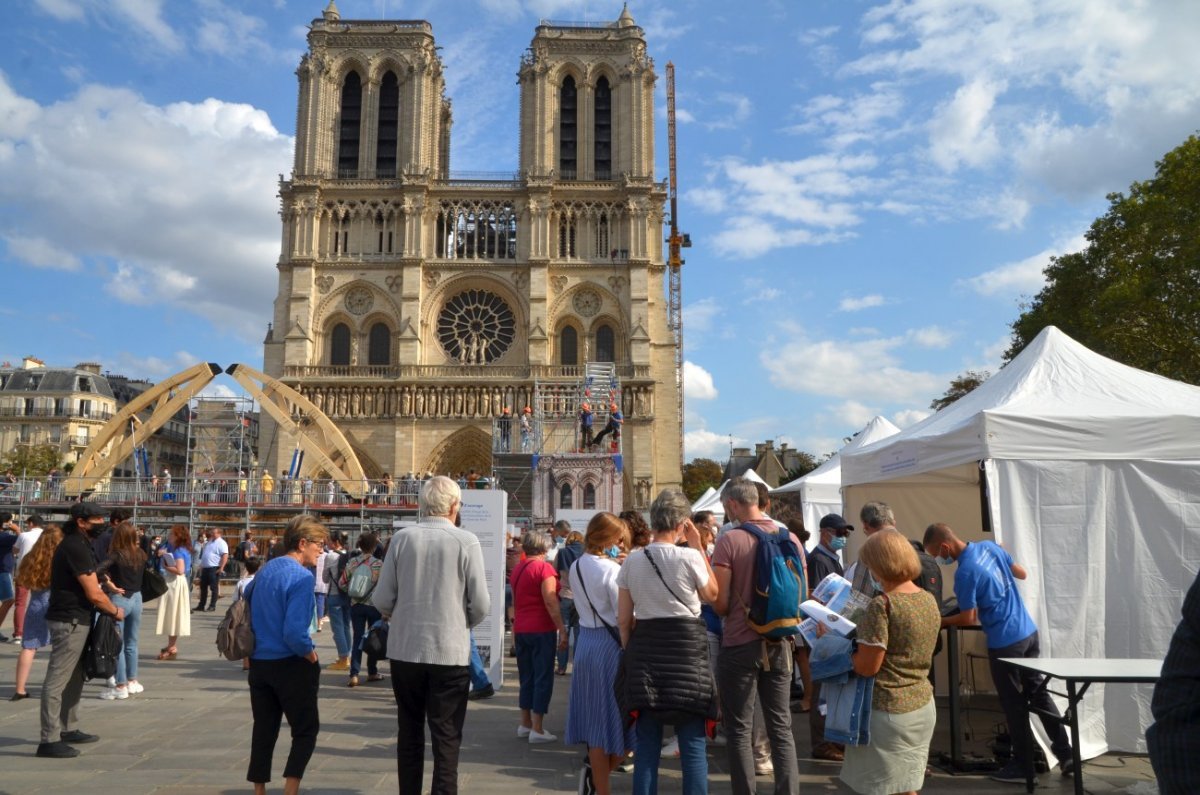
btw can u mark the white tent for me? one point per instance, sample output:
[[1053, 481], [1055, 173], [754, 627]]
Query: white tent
[[1088, 471], [711, 501], [821, 489]]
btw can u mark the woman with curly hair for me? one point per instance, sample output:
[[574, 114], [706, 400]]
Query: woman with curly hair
[[174, 609], [639, 532], [34, 574]]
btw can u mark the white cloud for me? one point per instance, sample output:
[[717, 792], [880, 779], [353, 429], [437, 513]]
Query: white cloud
[[698, 316], [177, 203], [41, 253], [735, 110], [63, 10], [1022, 277], [231, 34], [931, 337], [839, 367], [959, 133], [152, 368], [142, 16], [709, 200], [706, 444], [815, 35], [855, 414], [697, 383], [907, 417], [866, 302], [765, 294]]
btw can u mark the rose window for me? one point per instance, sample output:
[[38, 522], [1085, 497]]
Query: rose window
[[476, 327]]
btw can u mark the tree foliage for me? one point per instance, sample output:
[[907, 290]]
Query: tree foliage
[[959, 386], [805, 463], [699, 475], [1134, 293], [31, 460]]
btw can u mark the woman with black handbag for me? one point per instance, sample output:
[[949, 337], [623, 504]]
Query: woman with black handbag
[[593, 715], [121, 576], [666, 679]]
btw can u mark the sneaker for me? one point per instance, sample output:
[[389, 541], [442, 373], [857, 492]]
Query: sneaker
[[1012, 773], [537, 738], [1066, 766], [111, 681], [626, 765], [586, 785], [135, 688], [523, 731], [77, 737], [671, 747], [3, 638], [16, 638], [353, 682], [56, 751], [342, 664], [487, 691], [764, 768], [114, 693]]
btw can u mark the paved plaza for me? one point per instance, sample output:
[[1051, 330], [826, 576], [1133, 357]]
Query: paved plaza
[[190, 733]]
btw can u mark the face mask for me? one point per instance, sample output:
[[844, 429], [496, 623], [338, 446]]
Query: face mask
[[876, 584], [560, 541], [837, 542], [95, 530], [946, 561], [613, 552]]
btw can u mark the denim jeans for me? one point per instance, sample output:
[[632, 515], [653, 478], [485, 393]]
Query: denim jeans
[[535, 669], [648, 751], [339, 621], [363, 616], [571, 622], [479, 677], [321, 600], [127, 661], [742, 680]]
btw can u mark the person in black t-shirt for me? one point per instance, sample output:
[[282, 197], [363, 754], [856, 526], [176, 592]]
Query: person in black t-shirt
[[74, 592], [822, 562]]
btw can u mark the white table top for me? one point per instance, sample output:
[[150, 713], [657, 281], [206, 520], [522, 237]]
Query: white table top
[[1092, 670]]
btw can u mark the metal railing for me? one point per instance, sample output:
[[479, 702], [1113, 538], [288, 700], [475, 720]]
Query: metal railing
[[45, 412]]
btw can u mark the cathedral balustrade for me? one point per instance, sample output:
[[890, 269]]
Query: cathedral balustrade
[[437, 372]]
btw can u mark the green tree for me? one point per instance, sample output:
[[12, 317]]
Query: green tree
[[1134, 293], [960, 386], [699, 475], [805, 463], [31, 460]]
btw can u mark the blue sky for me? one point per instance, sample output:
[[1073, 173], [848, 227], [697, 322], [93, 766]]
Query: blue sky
[[871, 188]]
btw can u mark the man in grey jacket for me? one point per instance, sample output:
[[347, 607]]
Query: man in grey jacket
[[432, 577]]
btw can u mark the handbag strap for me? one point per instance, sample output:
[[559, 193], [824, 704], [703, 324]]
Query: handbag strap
[[650, 558], [591, 604]]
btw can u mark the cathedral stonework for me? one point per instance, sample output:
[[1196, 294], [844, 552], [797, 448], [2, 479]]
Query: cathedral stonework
[[415, 306]]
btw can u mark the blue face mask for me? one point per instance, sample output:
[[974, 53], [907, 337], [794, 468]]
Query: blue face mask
[[613, 552], [837, 542], [560, 541], [876, 584], [945, 561]]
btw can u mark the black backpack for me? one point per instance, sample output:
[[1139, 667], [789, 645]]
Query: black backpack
[[930, 578], [102, 647]]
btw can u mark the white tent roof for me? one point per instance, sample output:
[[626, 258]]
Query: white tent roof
[[1056, 401], [826, 480], [696, 506], [711, 501]]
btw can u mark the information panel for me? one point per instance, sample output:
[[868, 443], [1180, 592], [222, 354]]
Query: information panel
[[485, 513]]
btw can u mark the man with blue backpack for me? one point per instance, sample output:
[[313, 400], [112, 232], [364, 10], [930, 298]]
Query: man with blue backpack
[[760, 573]]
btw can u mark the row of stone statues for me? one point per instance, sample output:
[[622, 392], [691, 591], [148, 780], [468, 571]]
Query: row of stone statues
[[467, 401]]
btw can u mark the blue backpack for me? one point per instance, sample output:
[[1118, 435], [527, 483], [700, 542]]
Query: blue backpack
[[780, 584]]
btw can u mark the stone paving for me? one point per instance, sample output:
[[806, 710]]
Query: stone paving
[[190, 732]]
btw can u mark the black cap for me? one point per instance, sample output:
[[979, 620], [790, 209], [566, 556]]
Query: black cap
[[834, 521], [86, 510]]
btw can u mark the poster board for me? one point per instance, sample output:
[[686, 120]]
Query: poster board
[[484, 512]]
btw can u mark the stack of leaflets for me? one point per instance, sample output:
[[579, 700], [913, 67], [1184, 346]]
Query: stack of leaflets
[[835, 605]]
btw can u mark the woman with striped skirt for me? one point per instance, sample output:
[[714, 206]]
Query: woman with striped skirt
[[593, 717]]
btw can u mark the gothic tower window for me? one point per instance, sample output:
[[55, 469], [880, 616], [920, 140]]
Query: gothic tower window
[[589, 497], [349, 126], [601, 250], [603, 129], [568, 346], [567, 128], [564, 496], [379, 348], [566, 237], [606, 349], [339, 345], [389, 122]]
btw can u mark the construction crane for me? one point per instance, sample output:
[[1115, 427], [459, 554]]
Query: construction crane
[[675, 243]]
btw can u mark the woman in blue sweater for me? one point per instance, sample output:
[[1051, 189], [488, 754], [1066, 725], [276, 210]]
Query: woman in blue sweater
[[284, 671]]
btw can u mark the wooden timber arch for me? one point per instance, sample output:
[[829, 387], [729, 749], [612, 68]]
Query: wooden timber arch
[[323, 444], [125, 429]]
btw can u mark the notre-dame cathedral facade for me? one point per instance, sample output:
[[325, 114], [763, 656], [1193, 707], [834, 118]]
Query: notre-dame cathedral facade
[[415, 305]]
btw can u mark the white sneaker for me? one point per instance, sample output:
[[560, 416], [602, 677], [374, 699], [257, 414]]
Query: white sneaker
[[671, 747], [536, 738], [111, 681], [135, 688], [114, 693], [764, 768], [523, 731]]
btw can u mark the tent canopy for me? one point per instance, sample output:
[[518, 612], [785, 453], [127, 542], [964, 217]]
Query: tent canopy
[[1056, 401], [711, 500], [1088, 471]]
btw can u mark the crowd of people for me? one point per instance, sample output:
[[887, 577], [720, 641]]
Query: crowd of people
[[655, 618]]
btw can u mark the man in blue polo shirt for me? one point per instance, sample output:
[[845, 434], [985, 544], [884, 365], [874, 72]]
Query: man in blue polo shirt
[[986, 588]]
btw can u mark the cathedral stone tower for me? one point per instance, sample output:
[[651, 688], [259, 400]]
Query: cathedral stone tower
[[414, 306]]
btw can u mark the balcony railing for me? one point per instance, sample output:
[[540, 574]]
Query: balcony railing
[[434, 372], [43, 412]]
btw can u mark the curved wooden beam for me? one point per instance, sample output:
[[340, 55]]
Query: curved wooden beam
[[319, 438], [164, 399]]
